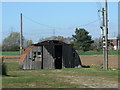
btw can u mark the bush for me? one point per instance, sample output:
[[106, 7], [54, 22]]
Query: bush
[[4, 69]]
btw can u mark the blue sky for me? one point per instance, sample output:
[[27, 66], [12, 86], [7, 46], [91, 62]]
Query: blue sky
[[44, 19]]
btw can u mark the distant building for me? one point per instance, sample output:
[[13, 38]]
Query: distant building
[[114, 44]]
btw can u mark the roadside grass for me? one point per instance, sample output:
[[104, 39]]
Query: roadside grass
[[58, 78]]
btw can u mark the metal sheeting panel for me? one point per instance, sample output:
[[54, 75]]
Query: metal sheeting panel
[[29, 63], [25, 63], [77, 59], [48, 54], [73, 60], [36, 65], [67, 56]]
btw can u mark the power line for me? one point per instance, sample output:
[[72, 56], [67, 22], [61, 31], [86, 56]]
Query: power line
[[53, 28], [84, 25], [89, 23], [38, 22]]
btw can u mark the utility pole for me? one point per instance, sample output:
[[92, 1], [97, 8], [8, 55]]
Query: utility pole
[[106, 37], [103, 35], [104, 28], [21, 37]]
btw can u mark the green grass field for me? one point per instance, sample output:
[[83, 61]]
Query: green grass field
[[111, 52], [10, 53], [93, 77]]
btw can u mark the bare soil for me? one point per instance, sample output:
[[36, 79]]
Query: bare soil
[[98, 60]]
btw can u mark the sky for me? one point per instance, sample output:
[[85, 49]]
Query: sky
[[119, 18], [45, 19]]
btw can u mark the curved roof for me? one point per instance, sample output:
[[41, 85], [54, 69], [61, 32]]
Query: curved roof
[[50, 42]]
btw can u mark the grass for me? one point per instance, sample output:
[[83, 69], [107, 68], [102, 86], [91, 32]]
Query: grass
[[110, 52], [10, 53], [59, 78]]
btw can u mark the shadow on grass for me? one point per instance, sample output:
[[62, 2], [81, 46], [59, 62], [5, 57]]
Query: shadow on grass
[[85, 66], [10, 75]]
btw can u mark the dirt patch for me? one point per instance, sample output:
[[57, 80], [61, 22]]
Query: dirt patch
[[10, 58], [98, 60]]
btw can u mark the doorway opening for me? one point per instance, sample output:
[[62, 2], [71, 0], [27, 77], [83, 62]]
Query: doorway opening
[[58, 56]]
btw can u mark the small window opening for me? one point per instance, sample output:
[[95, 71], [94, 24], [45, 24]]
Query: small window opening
[[39, 55], [34, 56]]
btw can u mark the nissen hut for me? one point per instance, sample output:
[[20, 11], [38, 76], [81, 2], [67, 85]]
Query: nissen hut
[[50, 54]]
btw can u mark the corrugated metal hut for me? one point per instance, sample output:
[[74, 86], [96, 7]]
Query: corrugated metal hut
[[50, 54]]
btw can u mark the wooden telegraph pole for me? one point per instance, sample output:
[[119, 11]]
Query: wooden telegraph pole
[[103, 35], [21, 37], [104, 28], [106, 37]]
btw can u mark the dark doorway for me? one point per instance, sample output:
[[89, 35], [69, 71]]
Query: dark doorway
[[58, 56]]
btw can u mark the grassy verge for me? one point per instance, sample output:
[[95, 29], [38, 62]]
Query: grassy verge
[[59, 78]]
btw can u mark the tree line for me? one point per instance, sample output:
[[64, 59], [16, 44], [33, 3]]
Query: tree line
[[12, 42], [81, 40]]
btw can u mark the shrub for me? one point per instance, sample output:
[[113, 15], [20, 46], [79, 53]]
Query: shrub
[[4, 69]]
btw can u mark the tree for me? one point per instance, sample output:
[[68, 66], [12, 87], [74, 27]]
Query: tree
[[97, 45], [27, 43], [12, 42], [82, 40]]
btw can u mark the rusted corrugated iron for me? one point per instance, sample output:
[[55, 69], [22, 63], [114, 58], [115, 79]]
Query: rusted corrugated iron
[[25, 53]]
